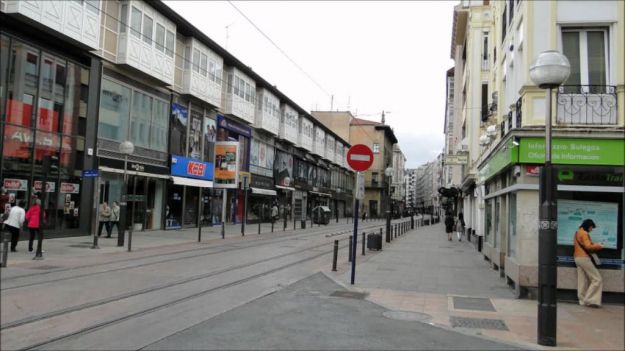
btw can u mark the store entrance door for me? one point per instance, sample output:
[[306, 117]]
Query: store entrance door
[[136, 191]]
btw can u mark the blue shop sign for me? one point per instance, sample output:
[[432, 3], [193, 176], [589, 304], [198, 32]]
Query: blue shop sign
[[222, 122], [190, 168]]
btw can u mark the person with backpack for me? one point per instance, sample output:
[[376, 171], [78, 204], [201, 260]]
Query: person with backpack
[[589, 281]]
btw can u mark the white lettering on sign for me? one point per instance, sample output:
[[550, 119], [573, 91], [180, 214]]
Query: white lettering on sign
[[355, 157]]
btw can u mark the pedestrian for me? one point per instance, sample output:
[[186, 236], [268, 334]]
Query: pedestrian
[[114, 219], [589, 281], [364, 216], [274, 212], [104, 216], [460, 226], [14, 223], [449, 224], [33, 216]]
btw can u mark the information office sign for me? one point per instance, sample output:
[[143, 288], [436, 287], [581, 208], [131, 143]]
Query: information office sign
[[226, 164], [574, 151], [190, 168]]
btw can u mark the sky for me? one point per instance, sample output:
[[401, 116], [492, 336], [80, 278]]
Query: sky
[[362, 56]]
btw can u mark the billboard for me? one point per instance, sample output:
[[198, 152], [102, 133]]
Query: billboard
[[190, 168], [571, 213], [226, 164]]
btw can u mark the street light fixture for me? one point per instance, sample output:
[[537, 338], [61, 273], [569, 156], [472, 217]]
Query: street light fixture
[[388, 172], [126, 148], [549, 70]]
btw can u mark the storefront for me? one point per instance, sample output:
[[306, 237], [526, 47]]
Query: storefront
[[188, 178], [589, 178], [45, 111], [228, 130], [261, 196], [283, 176]]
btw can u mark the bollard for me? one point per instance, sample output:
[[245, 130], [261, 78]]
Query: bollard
[[223, 230], [259, 227], [272, 225], [336, 253], [363, 243], [351, 238], [5, 250], [381, 232]]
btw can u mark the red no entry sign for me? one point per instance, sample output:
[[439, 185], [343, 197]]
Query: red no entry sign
[[360, 157]]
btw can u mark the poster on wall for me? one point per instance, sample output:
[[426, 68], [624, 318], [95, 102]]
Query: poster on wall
[[226, 164], [571, 213], [195, 135], [284, 169], [178, 128]]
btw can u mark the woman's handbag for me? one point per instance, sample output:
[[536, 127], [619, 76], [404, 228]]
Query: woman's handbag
[[594, 258]]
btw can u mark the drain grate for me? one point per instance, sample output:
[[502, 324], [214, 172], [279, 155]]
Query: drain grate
[[477, 323], [46, 267], [349, 294], [408, 316], [473, 303]]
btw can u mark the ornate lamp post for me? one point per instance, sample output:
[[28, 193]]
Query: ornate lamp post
[[549, 70], [126, 148]]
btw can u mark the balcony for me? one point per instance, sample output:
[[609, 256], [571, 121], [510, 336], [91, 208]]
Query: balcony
[[586, 105], [513, 119]]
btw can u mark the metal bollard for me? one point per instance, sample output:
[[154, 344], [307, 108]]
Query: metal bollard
[[381, 239], [259, 227], [223, 230], [351, 239], [5, 249], [363, 243], [336, 253], [272, 225]]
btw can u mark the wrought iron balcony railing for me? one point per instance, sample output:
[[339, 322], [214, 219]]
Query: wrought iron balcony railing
[[586, 104], [513, 119]]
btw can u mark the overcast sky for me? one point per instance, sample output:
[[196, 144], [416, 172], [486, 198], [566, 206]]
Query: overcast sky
[[371, 56]]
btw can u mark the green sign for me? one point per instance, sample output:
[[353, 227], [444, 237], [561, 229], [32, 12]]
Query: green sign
[[570, 151], [507, 155]]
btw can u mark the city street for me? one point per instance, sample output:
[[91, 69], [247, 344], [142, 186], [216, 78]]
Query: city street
[[273, 291]]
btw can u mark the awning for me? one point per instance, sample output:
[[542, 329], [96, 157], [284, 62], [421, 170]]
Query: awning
[[192, 182], [285, 188], [261, 191], [321, 194]]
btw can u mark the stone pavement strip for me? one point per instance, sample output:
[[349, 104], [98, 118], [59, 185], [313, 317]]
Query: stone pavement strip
[[422, 272]]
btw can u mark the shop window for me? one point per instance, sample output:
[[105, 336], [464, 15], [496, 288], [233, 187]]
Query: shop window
[[488, 216]]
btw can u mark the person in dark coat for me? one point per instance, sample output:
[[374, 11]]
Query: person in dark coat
[[449, 224]]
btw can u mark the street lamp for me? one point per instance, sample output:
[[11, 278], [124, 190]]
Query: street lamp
[[549, 70], [126, 148], [388, 172]]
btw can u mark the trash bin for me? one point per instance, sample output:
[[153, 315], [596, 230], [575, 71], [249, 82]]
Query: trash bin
[[321, 215], [374, 241], [303, 224]]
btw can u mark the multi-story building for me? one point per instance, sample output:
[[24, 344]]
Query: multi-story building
[[87, 76], [411, 189], [380, 138], [398, 184], [495, 43]]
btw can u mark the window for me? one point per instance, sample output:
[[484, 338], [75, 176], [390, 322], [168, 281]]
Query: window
[[160, 37], [196, 60], [114, 111], [586, 50], [135, 22], [123, 19], [187, 57], [376, 148], [169, 44], [147, 29], [212, 71], [140, 121], [503, 25], [485, 50], [93, 6], [484, 102], [204, 64]]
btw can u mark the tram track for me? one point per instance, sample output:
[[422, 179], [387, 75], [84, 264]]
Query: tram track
[[247, 245], [119, 297], [146, 311]]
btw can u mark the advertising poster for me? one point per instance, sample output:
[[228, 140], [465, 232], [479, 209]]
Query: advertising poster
[[195, 135], [15, 184], [210, 136], [571, 213], [284, 169], [226, 164], [178, 128]]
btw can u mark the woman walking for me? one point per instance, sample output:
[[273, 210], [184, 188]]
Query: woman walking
[[33, 216], [449, 224], [460, 226], [589, 281]]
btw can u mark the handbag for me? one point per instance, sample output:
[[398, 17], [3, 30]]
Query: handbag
[[594, 258]]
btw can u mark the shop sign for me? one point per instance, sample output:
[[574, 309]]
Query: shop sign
[[50, 186], [597, 176], [261, 182], [458, 159], [70, 188], [574, 151], [235, 127], [226, 164], [190, 168], [505, 156], [16, 184]]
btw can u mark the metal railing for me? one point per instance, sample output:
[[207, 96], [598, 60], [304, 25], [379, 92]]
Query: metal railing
[[586, 104]]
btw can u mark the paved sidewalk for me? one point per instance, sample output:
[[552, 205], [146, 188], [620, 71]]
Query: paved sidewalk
[[422, 272]]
